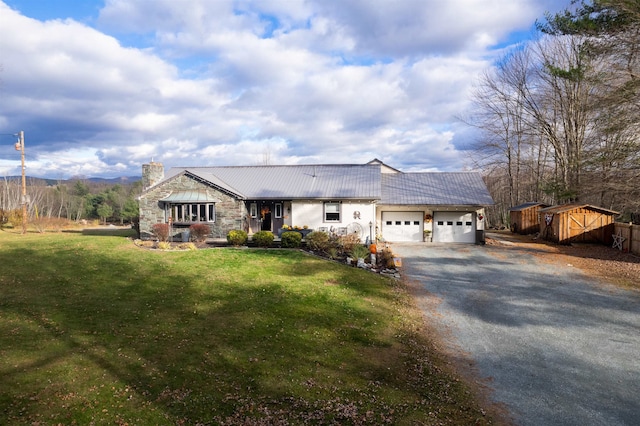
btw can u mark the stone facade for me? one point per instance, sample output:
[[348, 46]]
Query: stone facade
[[230, 211]]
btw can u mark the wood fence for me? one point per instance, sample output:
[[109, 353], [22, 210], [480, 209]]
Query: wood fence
[[630, 235]]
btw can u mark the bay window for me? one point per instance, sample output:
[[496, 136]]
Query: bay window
[[195, 212]]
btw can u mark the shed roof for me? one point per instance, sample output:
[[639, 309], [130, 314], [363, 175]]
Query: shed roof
[[561, 208], [528, 205], [437, 188]]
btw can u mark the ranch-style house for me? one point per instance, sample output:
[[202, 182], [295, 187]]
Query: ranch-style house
[[373, 200]]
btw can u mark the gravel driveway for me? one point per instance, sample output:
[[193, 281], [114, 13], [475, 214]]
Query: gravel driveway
[[555, 346]]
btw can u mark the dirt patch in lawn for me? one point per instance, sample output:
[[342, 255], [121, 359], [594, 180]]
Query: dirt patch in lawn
[[605, 263]]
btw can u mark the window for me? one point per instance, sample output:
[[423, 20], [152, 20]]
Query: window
[[332, 211], [253, 210], [416, 222], [201, 212], [278, 210], [459, 223]]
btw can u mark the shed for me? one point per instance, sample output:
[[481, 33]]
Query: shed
[[569, 223], [525, 218]]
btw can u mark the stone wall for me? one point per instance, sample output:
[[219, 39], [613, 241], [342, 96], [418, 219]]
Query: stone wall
[[230, 212]]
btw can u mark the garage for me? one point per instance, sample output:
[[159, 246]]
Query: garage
[[402, 226], [453, 227]]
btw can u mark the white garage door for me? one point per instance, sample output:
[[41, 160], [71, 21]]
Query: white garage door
[[402, 226], [453, 227]]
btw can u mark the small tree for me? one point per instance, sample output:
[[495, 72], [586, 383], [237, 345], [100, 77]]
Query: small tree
[[105, 211]]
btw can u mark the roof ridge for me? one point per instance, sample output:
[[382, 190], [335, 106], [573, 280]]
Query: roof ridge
[[276, 165]]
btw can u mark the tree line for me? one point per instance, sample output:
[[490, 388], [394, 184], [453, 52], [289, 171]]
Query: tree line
[[74, 200], [559, 115]]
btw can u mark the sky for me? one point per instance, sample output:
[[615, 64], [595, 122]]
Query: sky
[[100, 87]]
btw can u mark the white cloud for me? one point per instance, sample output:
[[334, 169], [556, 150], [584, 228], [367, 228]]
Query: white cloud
[[238, 82]]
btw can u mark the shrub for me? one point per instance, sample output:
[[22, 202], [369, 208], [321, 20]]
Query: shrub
[[43, 224], [318, 241], [291, 239], [199, 231], [237, 237], [263, 238], [15, 218], [349, 241], [161, 231], [164, 245], [385, 258], [359, 251], [332, 252], [187, 246]]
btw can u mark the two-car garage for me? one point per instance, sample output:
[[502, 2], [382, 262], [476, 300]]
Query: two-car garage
[[448, 226]]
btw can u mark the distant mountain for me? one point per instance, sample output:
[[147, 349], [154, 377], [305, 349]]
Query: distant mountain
[[50, 182]]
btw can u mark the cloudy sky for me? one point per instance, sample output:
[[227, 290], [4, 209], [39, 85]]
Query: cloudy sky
[[102, 86]]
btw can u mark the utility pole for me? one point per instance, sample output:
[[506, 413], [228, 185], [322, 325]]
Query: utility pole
[[20, 147]]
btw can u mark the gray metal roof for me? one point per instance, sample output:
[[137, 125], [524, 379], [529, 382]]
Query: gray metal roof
[[438, 188], [190, 197], [525, 206], [344, 181]]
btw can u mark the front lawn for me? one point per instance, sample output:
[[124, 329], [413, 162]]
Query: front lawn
[[94, 330]]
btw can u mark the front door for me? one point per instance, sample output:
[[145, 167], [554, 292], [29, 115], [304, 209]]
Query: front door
[[266, 210]]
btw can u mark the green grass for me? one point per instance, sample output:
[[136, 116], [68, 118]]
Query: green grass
[[94, 330]]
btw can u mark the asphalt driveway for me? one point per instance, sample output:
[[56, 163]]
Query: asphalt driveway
[[555, 346]]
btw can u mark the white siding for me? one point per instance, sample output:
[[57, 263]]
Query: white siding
[[311, 213]]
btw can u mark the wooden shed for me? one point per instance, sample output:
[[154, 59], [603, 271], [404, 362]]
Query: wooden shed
[[525, 218], [569, 223]]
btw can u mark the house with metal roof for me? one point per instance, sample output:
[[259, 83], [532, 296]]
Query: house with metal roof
[[372, 200]]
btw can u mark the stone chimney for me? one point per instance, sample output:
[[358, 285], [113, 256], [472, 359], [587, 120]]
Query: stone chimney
[[152, 173]]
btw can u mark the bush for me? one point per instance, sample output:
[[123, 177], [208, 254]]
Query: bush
[[318, 241], [291, 239], [332, 252], [385, 259], [263, 238], [359, 251], [15, 218], [161, 231], [43, 224], [164, 245], [187, 246], [349, 241], [237, 237], [199, 231]]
